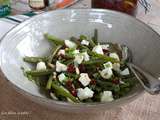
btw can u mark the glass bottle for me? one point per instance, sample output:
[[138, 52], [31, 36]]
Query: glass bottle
[[126, 6], [5, 7]]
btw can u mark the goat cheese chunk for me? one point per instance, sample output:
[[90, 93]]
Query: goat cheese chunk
[[86, 56], [125, 72], [105, 46], [84, 93], [114, 55], [98, 49], [78, 58], [85, 42], [62, 77], [61, 52], [108, 65], [70, 44], [106, 73], [60, 67], [107, 96], [116, 67], [41, 66], [84, 79]]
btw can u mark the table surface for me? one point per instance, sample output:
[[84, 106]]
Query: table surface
[[13, 106]]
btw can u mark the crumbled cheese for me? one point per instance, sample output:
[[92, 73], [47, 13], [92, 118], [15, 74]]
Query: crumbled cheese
[[53, 96], [106, 73], [108, 65], [114, 55], [107, 96], [125, 72], [61, 52], [116, 67], [77, 71], [106, 46], [70, 44], [86, 56], [60, 67], [85, 42], [84, 93], [41, 66], [62, 77], [98, 49], [78, 58], [84, 79]]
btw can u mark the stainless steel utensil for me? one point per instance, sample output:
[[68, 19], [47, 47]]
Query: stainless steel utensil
[[148, 81]]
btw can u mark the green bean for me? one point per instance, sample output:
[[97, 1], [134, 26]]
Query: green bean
[[95, 37], [54, 53], [54, 39], [61, 91], [74, 39], [39, 72], [34, 59], [103, 57], [93, 61], [49, 83], [83, 37]]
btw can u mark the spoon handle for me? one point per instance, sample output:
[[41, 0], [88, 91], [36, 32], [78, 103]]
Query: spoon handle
[[150, 83]]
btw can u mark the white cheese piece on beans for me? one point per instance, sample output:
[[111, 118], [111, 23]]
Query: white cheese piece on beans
[[125, 72], [41, 66], [107, 96], [84, 93], [106, 73], [62, 77], [85, 42], [84, 79], [70, 44], [60, 67], [98, 49]]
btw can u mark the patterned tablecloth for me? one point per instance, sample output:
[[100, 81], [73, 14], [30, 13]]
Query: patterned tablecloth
[[13, 106]]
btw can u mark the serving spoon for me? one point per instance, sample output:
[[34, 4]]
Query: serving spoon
[[148, 81]]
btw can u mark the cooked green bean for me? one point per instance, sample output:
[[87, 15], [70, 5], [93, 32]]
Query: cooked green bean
[[95, 37], [54, 39], [61, 91], [54, 52], [34, 59], [49, 83], [39, 72]]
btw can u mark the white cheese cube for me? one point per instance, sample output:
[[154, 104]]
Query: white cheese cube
[[70, 44], [106, 73], [114, 55], [41, 66], [125, 72], [84, 79], [108, 65], [86, 56], [61, 52], [84, 93], [116, 67], [78, 58], [107, 96], [105, 46], [98, 49], [85, 42], [60, 67], [62, 77]]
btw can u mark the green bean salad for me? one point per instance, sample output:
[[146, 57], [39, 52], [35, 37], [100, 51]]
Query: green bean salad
[[81, 70]]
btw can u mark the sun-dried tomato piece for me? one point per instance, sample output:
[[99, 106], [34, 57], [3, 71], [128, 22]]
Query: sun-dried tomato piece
[[115, 81], [71, 68], [82, 68]]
